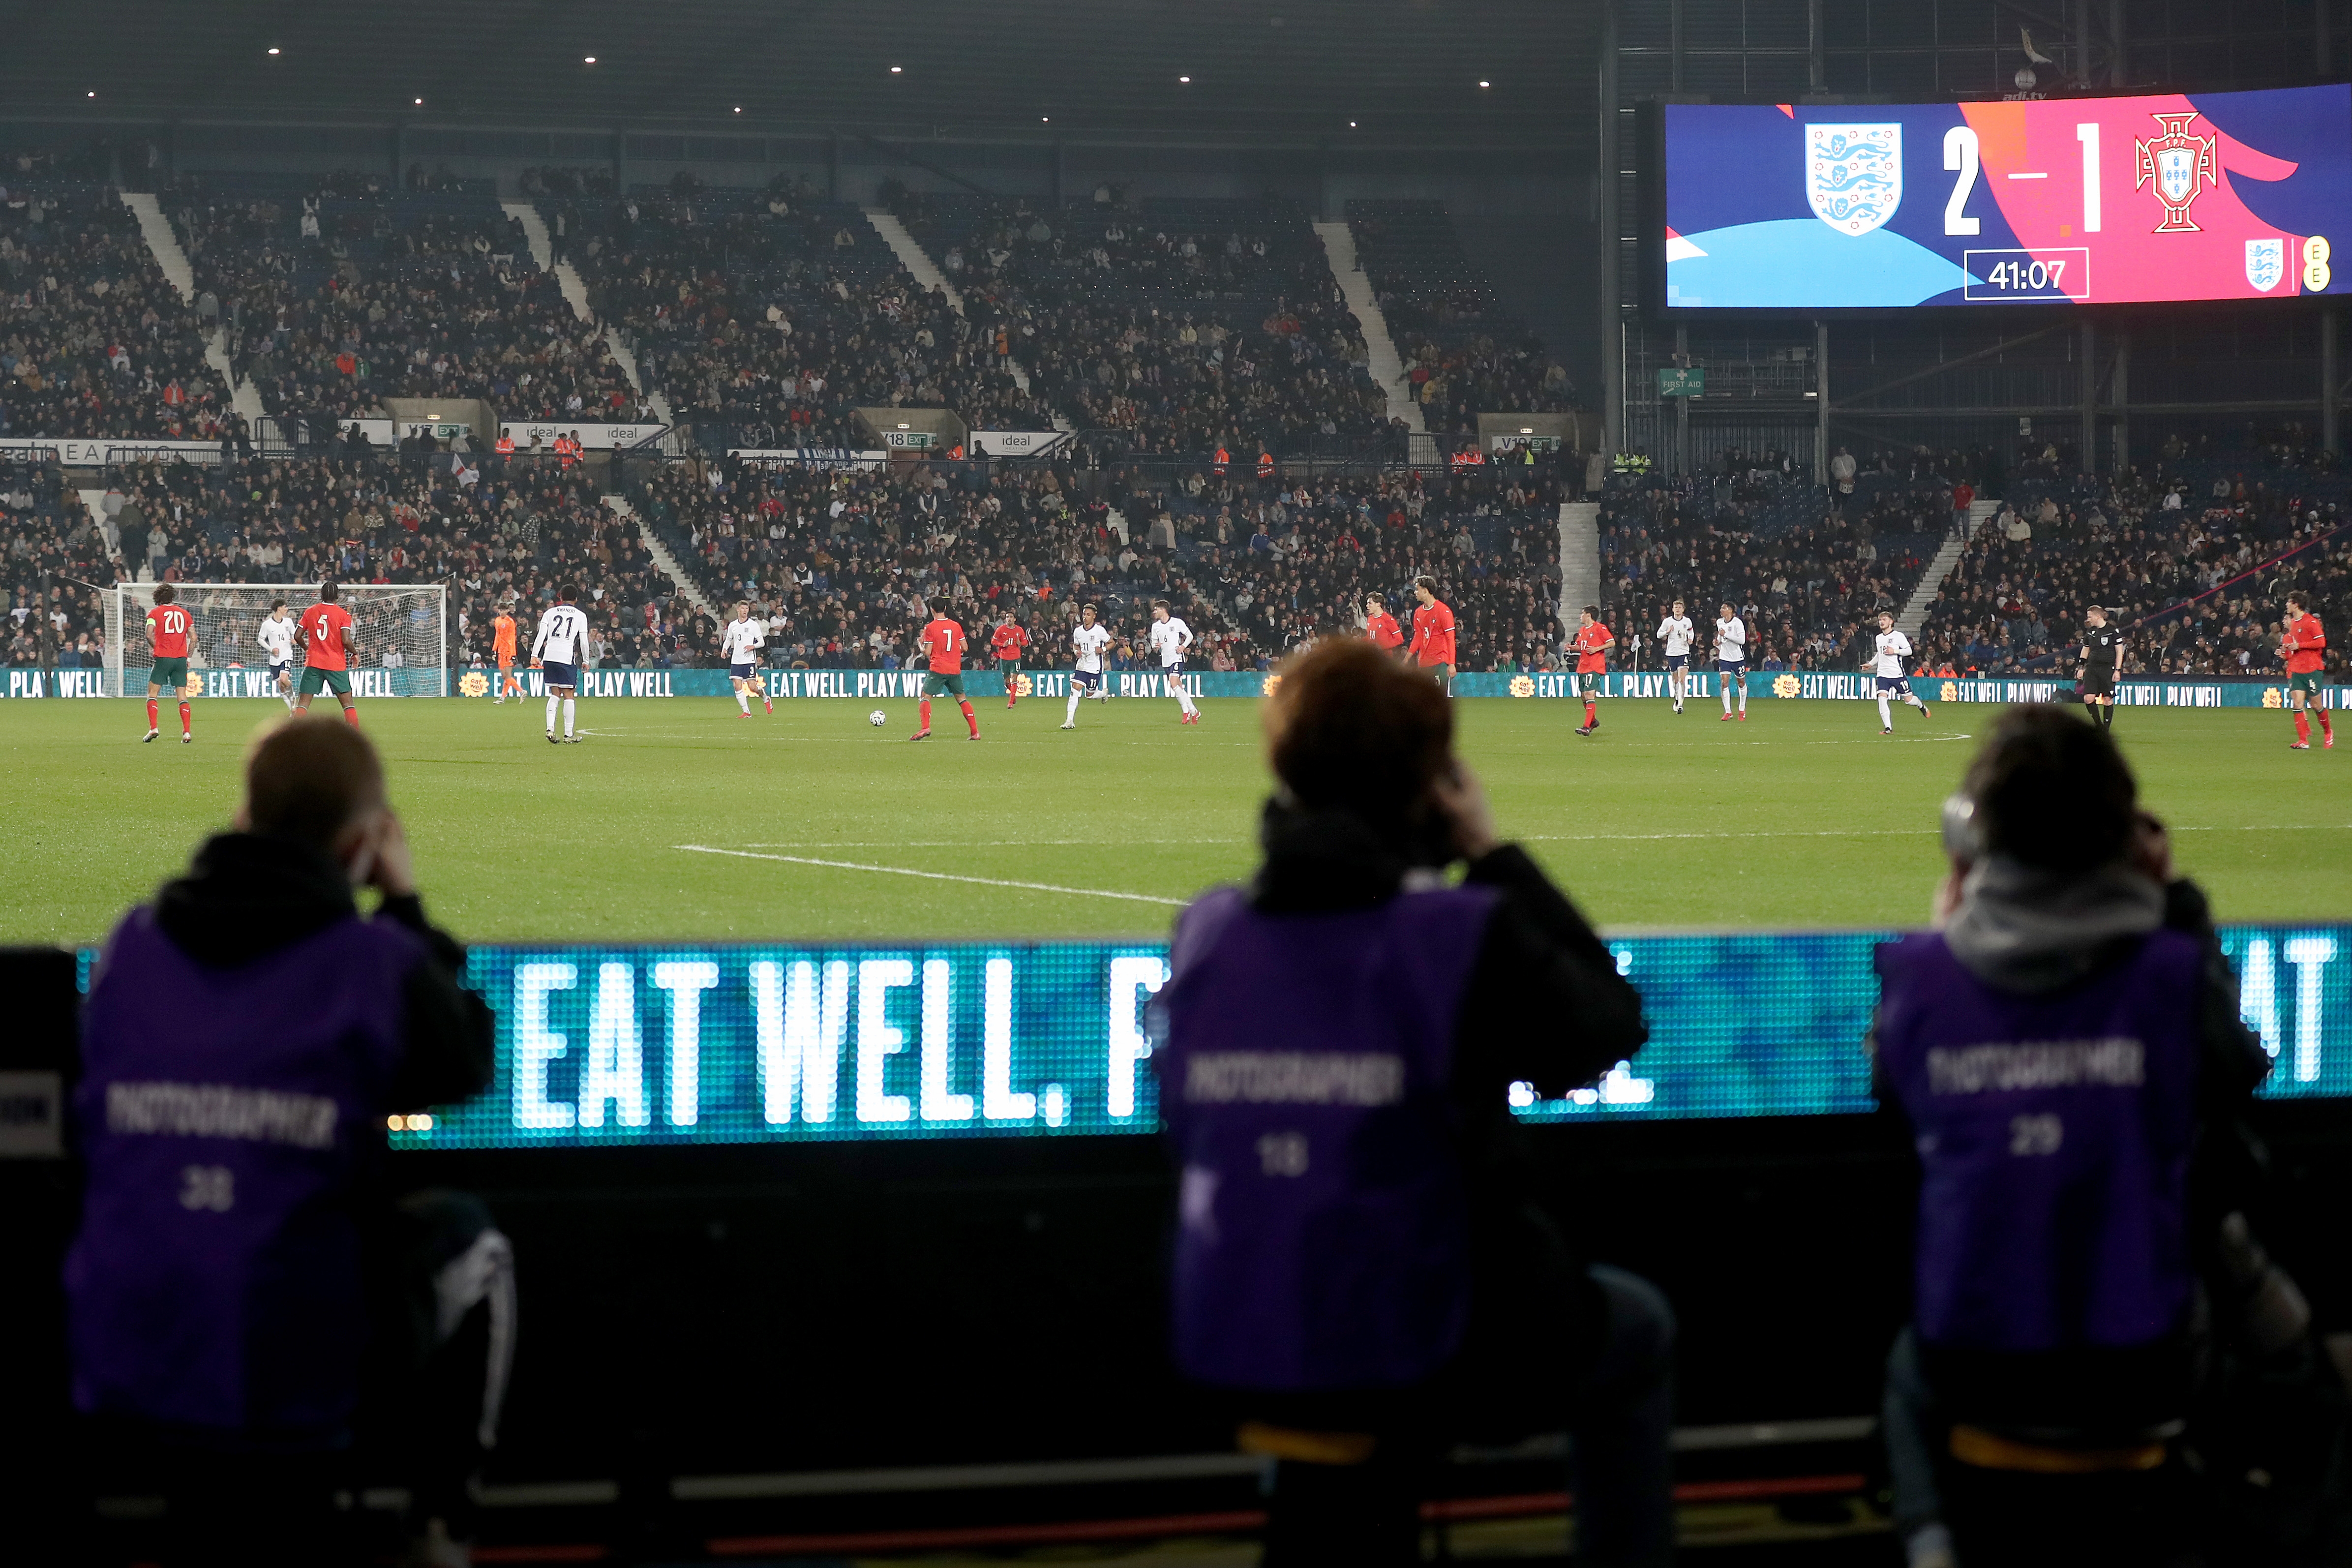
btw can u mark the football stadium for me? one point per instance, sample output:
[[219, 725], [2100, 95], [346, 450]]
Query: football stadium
[[1332, 784]]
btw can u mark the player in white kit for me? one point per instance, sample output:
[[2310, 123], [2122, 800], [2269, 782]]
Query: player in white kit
[[1676, 632], [277, 634], [1171, 638], [1892, 648], [560, 646], [1087, 679], [1731, 659], [744, 639]]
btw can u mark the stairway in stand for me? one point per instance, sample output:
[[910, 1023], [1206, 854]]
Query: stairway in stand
[[1386, 365]]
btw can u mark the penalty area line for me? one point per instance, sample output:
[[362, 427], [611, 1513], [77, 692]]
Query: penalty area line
[[932, 876]]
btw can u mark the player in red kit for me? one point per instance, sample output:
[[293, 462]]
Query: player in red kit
[[1009, 642], [1590, 644], [1432, 632], [2304, 645], [328, 643], [1381, 627], [167, 635], [944, 641]]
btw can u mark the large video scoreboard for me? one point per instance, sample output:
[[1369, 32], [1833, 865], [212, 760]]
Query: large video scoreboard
[[2162, 198]]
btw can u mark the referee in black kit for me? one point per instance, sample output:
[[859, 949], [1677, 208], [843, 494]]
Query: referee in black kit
[[2101, 666]]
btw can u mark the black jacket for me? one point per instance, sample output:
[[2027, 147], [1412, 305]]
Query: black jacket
[[246, 894]]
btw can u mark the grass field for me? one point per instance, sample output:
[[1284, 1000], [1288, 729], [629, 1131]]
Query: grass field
[[1803, 816]]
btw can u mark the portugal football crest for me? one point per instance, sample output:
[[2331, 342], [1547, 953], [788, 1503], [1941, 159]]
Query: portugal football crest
[[2266, 262], [2179, 165], [1854, 174]]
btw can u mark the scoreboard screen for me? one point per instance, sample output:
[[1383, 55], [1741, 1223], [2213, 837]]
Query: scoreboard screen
[[2226, 195]]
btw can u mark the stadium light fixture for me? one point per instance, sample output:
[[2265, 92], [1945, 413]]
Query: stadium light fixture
[[1185, 79], [1485, 84], [895, 71], [89, 95], [588, 60], [273, 48], [420, 103], [738, 109]]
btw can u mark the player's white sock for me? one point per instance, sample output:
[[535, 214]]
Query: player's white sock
[[567, 718], [1743, 700], [1072, 716], [743, 700], [1184, 701], [1916, 701], [552, 704], [1726, 697], [1885, 715]]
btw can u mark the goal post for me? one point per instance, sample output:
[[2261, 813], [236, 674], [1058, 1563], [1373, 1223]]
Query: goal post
[[401, 630]]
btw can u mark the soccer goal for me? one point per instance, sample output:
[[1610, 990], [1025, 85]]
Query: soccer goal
[[402, 631]]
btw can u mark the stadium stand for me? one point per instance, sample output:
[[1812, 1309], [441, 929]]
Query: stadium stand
[[835, 558], [94, 342], [336, 297], [51, 539], [768, 317], [2193, 558], [1805, 577], [495, 539], [1463, 352], [1176, 326]]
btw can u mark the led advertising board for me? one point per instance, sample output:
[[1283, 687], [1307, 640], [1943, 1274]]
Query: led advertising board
[[629, 1046], [2166, 197]]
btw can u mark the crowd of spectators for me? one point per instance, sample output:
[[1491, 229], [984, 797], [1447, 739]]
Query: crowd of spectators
[[1806, 579], [334, 301], [94, 341], [1463, 352], [836, 560], [54, 548], [2192, 558], [776, 316], [495, 535], [1185, 326]]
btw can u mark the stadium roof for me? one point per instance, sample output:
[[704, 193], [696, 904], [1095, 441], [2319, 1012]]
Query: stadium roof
[[1272, 68]]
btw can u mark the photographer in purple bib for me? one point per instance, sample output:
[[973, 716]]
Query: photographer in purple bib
[[2104, 1364], [258, 1317], [1361, 1276]]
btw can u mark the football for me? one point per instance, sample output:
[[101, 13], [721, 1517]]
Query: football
[[877, 718]]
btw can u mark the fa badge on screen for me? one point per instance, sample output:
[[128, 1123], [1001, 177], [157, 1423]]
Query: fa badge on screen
[[1854, 174], [2266, 262]]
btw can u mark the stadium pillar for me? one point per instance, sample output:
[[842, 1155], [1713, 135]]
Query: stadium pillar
[[1675, 44], [2330, 379], [2116, 75], [1682, 406], [2090, 438], [1610, 243], [1816, 63], [832, 166], [2120, 399], [1820, 403]]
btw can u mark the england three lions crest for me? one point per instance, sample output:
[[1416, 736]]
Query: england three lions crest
[[2266, 262], [1854, 174]]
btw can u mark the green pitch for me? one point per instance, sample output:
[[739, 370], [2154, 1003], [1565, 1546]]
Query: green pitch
[[1804, 815]]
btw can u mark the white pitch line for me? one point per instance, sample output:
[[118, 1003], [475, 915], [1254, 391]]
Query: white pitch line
[[934, 875]]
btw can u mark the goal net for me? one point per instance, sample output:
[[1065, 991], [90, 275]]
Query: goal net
[[401, 631]]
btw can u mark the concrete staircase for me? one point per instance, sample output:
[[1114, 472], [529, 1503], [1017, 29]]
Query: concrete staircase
[[1387, 365], [1580, 558], [95, 499], [925, 271], [164, 246], [1947, 555], [534, 231], [662, 556]]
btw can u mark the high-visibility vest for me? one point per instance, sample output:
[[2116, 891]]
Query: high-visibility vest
[[1224, 461], [1265, 465], [504, 447], [955, 453]]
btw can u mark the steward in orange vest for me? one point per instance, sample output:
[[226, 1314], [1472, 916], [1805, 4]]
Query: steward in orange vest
[[1265, 465], [1224, 461], [505, 445]]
